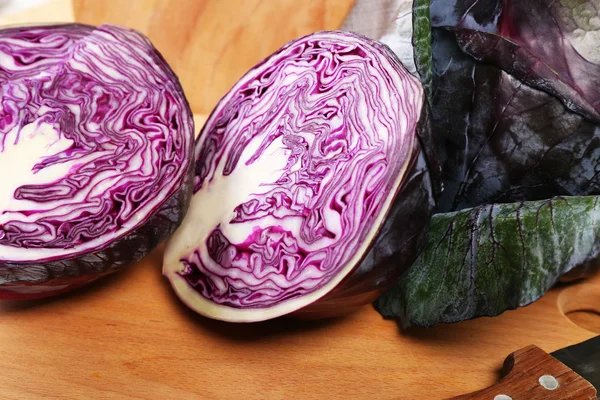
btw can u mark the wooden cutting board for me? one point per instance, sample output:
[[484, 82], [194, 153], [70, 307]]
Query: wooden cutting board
[[128, 336]]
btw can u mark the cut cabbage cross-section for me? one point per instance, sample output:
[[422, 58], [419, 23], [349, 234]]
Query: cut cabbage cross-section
[[96, 144], [297, 170]]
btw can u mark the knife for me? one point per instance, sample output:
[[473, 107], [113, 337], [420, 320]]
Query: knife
[[532, 374]]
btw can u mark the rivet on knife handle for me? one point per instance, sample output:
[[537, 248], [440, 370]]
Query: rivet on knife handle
[[532, 374]]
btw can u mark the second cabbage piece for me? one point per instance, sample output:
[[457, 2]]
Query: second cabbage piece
[[515, 104], [312, 188]]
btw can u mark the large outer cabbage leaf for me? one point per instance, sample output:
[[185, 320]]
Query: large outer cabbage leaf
[[312, 186], [96, 141], [492, 258]]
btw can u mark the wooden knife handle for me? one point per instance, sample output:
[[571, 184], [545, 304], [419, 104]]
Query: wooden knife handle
[[533, 374]]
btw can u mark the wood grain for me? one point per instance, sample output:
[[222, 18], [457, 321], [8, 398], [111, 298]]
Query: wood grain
[[211, 43], [523, 370], [128, 336], [51, 11], [581, 304]]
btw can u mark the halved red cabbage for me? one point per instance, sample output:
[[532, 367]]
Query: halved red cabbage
[[311, 185], [96, 141]]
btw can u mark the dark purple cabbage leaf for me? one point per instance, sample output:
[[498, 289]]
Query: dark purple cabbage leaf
[[515, 113], [512, 125], [555, 49], [501, 140], [481, 15]]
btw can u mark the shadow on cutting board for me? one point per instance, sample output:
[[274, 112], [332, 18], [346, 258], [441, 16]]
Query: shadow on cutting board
[[259, 330], [254, 331], [143, 282], [79, 294], [148, 272]]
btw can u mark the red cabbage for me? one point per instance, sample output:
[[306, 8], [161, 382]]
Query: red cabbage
[[516, 112], [311, 185], [96, 139]]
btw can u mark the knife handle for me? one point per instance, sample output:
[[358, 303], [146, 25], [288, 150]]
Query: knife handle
[[533, 374]]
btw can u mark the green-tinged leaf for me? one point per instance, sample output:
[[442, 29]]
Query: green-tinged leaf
[[488, 259], [422, 43]]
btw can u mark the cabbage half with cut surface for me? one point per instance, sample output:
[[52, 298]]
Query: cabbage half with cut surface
[[311, 185], [96, 144]]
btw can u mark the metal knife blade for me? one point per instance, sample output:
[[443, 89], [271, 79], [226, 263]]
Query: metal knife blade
[[584, 359]]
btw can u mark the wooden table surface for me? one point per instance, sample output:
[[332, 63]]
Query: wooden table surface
[[128, 336]]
